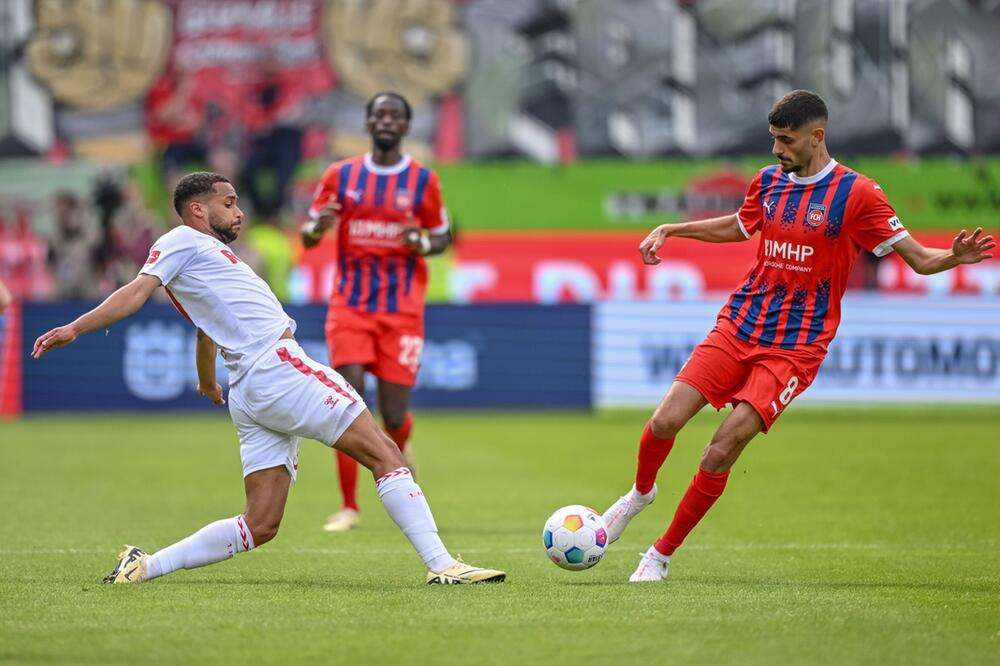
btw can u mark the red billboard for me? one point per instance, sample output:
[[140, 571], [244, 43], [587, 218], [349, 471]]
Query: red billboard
[[561, 267]]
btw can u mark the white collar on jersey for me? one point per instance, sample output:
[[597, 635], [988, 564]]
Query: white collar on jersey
[[398, 167], [816, 177]]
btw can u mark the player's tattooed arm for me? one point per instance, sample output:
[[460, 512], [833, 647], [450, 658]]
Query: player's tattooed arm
[[965, 249], [204, 358], [117, 306], [724, 229]]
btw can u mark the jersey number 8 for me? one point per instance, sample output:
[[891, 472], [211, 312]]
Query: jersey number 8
[[786, 395]]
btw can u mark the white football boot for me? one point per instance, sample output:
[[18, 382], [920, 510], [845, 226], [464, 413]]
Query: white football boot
[[131, 567], [628, 506], [652, 567], [461, 573]]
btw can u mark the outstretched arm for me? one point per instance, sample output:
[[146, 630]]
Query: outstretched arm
[[964, 250], [205, 351], [118, 305], [724, 229]]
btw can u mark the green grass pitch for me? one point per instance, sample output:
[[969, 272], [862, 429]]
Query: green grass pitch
[[847, 536]]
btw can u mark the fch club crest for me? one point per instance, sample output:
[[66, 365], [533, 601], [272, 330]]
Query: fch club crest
[[815, 215], [404, 200]]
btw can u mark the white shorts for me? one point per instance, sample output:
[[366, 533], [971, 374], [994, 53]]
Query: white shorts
[[286, 395]]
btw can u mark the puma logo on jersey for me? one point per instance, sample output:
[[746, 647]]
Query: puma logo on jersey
[[769, 207]]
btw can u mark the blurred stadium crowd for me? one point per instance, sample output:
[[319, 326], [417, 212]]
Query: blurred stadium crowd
[[109, 103]]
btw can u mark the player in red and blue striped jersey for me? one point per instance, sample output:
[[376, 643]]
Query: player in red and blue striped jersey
[[388, 215], [814, 217]]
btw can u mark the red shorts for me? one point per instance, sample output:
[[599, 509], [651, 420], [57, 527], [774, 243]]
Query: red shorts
[[388, 346], [725, 369]]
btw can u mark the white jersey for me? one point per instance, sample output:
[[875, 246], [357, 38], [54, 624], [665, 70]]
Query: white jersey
[[220, 294]]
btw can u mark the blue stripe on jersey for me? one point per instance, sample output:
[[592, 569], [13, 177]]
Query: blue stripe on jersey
[[773, 312], [392, 288], [820, 308], [374, 281], [402, 180], [380, 184], [356, 285], [359, 193], [736, 302], [418, 194], [771, 205], [749, 323], [343, 271], [790, 212], [345, 176], [766, 178], [411, 264], [835, 218], [795, 316]]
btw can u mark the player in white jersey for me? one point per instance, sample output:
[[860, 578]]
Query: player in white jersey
[[277, 394]]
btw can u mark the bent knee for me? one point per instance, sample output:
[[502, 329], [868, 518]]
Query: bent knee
[[665, 424], [720, 455]]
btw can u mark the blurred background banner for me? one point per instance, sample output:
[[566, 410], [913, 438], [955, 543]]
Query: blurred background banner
[[520, 356], [614, 354], [887, 350]]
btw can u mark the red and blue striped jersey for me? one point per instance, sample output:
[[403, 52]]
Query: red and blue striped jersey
[[376, 271], [812, 230]]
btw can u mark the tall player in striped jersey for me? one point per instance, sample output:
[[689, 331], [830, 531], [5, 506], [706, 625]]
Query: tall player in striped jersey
[[388, 215], [277, 394], [814, 217]]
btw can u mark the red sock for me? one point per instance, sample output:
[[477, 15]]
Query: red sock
[[653, 451], [401, 435], [705, 488], [347, 467]]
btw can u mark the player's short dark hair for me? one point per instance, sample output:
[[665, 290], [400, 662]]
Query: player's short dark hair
[[195, 184], [389, 93], [796, 109]]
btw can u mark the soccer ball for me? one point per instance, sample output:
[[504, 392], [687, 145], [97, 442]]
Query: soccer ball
[[575, 537]]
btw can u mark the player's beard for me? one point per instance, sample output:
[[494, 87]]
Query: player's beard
[[796, 163], [222, 231]]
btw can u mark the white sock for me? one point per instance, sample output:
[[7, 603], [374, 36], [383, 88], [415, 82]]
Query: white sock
[[406, 505], [213, 543], [654, 554], [639, 497]]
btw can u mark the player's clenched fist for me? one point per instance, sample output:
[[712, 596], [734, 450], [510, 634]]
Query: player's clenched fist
[[413, 239], [652, 244], [328, 217], [213, 393], [57, 337]]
